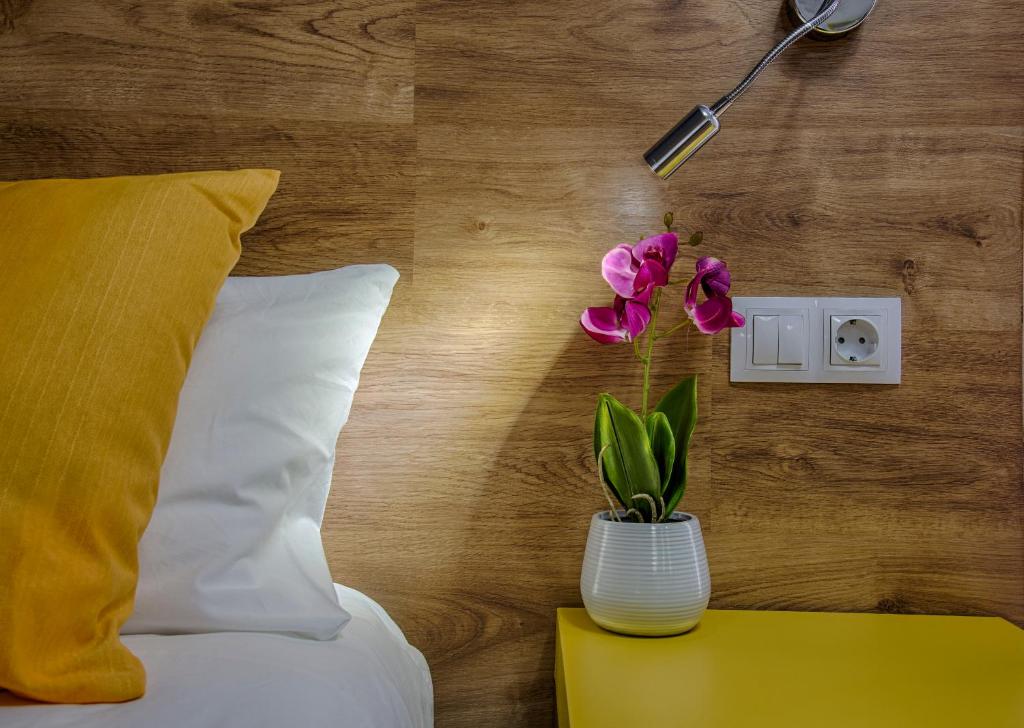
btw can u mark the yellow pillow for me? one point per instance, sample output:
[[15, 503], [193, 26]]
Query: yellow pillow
[[105, 285]]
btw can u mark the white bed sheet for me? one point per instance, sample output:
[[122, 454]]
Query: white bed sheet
[[367, 677]]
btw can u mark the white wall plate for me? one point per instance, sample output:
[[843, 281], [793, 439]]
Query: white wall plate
[[817, 340]]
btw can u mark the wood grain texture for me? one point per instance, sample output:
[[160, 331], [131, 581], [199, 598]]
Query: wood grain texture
[[491, 150]]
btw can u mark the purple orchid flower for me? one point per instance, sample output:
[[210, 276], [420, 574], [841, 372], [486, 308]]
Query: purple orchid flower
[[652, 469], [634, 271], [715, 313], [623, 321]]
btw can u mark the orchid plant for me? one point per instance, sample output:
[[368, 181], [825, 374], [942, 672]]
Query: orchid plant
[[642, 457]]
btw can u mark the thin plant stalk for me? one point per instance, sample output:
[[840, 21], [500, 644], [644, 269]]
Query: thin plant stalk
[[651, 338]]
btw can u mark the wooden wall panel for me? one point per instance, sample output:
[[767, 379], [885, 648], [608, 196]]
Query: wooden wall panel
[[491, 150], [345, 196], [316, 59]]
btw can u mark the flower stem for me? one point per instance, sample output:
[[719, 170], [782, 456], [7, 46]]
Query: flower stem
[[674, 329], [651, 338]]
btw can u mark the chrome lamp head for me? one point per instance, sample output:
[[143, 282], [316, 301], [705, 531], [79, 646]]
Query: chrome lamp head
[[832, 19], [682, 141]]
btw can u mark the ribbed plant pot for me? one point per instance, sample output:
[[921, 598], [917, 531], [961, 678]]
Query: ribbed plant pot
[[648, 579]]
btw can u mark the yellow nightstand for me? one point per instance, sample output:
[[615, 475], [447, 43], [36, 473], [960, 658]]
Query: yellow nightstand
[[794, 670]]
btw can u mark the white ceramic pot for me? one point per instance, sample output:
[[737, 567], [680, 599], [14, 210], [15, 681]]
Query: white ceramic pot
[[646, 579]]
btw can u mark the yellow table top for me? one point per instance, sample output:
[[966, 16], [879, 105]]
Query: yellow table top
[[794, 669]]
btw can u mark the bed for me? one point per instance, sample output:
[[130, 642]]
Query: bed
[[225, 613], [368, 676]]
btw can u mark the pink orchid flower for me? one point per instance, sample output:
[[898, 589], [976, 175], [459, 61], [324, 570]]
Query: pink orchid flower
[[715, 313], [623, 321], [634, 271]]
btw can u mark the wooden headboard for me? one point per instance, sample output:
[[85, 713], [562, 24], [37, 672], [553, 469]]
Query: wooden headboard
[[491, 150]]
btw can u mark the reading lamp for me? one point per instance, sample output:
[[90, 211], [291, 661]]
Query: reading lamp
[[829, 19]]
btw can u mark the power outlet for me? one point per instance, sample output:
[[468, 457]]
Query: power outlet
[[855, 340]]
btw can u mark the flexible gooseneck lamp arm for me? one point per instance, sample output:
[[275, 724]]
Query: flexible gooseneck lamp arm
[[696, 129]]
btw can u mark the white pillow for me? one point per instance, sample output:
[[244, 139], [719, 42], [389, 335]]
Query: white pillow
[[234, 541]]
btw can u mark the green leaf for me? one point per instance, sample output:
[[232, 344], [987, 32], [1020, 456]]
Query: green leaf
[[668, 219], [696, 238], [628, 463], [663, 445], [680, 407]]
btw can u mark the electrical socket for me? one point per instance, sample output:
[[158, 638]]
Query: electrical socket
[[856, 340]]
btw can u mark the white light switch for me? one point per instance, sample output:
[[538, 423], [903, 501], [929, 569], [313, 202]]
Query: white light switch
[[792, 340], [766, 340]]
